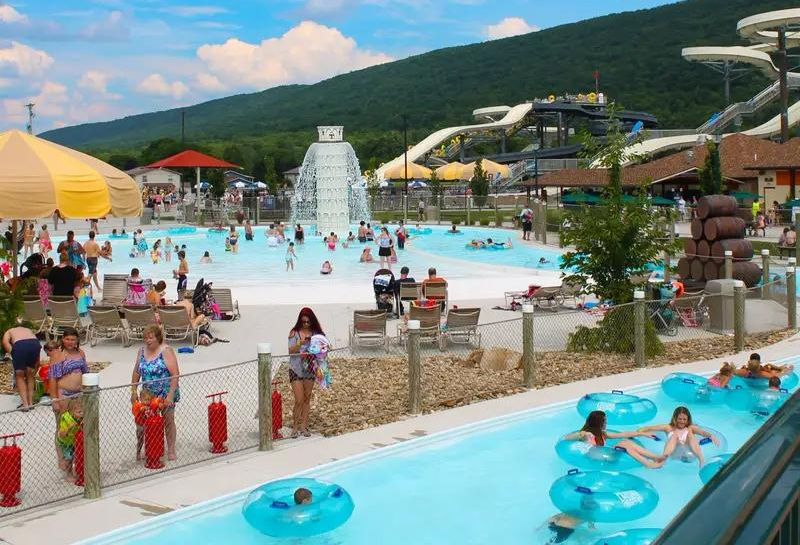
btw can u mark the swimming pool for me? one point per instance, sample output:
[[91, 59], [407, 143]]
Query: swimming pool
[[259, 266], [486, 483]]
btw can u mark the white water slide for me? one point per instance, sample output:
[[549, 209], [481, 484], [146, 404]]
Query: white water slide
[[509, 121], [761, 28]]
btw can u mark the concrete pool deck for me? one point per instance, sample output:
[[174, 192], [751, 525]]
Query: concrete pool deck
[[79, 519]]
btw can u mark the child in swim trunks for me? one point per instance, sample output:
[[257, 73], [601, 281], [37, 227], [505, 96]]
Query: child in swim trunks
[[681, 435], [290, 256]]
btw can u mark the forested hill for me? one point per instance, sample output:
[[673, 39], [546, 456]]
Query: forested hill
[[637, 54]]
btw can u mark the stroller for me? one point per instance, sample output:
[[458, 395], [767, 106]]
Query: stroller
[[203, 300], [385, 288], [662, 313]]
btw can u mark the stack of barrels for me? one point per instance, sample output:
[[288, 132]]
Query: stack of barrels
[[715, 229]]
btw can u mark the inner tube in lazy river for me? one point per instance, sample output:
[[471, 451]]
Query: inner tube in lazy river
[[604, 496], [658, 440], [584, 455], [789, 382], [620, 408], [689, 388], [271, 510], [759, 402], [713, 466], [634, 536]]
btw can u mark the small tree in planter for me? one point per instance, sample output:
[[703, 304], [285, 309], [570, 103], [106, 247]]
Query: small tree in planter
[[479, 185], [711, 173]]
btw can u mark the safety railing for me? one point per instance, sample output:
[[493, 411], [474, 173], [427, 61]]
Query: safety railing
[[754, 498]]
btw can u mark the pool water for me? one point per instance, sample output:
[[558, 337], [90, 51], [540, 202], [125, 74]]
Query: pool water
[[487, 483], [258, 264]]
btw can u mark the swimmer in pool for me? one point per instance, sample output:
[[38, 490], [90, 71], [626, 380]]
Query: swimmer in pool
[[303, 496]]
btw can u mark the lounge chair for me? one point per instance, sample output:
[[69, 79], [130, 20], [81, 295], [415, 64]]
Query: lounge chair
[[115, 289], [430, 322], [35, 314], [64, 313], [515, 299], [692, 309], [551, 297], [138, 317], [436, 291], [369, 329], [106, 324], [409, 291], [225, 301], [177, 324], [461, 327]]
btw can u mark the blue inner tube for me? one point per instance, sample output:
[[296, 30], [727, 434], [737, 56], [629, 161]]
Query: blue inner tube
[[271, 510], [620, 408], [689, 388], [118, 236], [581, 454], [634, 536], [453, 233], [423, 231], [683, 453], [181, 230], [713, 466], [789, 382], [759, 402], [604, 496]]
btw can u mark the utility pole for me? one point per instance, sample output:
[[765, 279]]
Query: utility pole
[[29, 106]]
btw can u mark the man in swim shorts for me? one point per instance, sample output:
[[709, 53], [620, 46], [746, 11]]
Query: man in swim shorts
[[526, 216], [24, 348], [92, 250]]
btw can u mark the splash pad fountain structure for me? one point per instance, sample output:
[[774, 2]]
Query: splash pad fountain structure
[[330, 191]]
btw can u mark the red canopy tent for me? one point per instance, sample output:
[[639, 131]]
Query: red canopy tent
[[192, 159]]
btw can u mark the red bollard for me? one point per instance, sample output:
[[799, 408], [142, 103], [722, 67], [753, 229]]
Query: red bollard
[[277, 413], [154, 436], [77, 459], [217, 423], [10, 470]]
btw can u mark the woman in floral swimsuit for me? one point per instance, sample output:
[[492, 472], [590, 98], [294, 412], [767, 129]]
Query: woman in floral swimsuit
[[156, 368]]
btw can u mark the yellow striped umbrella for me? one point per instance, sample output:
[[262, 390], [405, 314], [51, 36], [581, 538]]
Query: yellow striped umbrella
[[489, 167], [415, 172], [450, 171], [37, 177]]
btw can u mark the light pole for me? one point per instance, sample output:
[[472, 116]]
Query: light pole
[[405, 168], [536, 167]]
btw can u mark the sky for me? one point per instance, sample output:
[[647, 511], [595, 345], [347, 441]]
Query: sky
[[94, 60]]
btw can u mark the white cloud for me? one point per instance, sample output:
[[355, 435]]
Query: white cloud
[[94, 80], [112, 28], [209, 83], [193, 11], [22, 60], [510, 26], [9, 15], [156, 84], [307, 53]]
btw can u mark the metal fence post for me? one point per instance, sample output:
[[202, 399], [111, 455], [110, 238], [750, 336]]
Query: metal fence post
[[469, 207], [728, 264], [765, 273], [739, 292], [543, 214], [414, 368], [264, 396], [797, 239], [91, 435], [791, 292], [639, 313], [528, 353]]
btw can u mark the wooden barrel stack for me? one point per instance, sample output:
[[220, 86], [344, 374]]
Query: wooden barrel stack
[[715, 230]]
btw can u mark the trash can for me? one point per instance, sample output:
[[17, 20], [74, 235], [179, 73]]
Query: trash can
[[147, 216], [720, 305]]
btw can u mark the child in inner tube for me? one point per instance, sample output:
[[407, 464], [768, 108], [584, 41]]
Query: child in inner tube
[[303, 496], [563, 525], [682, 436]]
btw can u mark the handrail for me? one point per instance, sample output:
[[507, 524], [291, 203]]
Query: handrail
[[754, 496]]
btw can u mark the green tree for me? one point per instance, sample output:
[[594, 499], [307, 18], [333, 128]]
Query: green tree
[[612, 243], [711, 173], [161, 149], [123, 161], [259, 170], [479, 184], [271, 175], [215, 177], [435, 187], [233, 154], [373, 183]]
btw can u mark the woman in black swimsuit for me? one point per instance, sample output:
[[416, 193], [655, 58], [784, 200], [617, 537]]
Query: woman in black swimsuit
[[298, 234]]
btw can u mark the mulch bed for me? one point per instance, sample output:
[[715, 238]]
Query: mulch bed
[[6, 372], [368, 392]]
